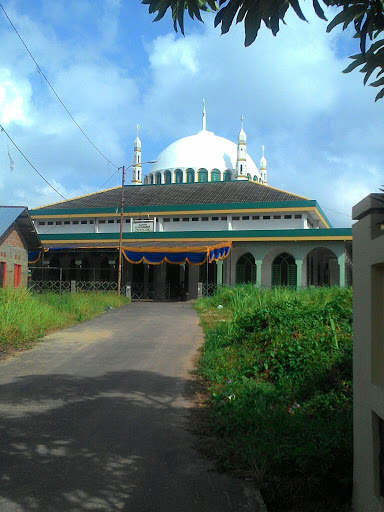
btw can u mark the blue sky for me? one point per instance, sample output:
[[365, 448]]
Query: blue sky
[[114, 68]]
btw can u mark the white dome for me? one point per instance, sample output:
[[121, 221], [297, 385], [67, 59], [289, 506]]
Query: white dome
[[205, 150]]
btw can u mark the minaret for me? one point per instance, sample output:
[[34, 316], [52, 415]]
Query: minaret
[[241, 162], [136, 167], [204, 118], [263, 166]]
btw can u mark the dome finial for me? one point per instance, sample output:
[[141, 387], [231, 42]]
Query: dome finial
[[242, 121], [137, 129], [204, 117]]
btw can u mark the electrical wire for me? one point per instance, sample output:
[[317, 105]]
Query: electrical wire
[[54, 92], [31, 164]]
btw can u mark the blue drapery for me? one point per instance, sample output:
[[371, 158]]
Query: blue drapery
[[196, 257]]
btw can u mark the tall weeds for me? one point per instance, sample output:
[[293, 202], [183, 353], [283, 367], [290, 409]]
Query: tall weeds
[[25, 316], [277, 371]]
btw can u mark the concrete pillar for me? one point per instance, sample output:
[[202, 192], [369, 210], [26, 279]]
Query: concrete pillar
[[299, 273], [199, 290], [160, 278], [193, 279], [341, 262], [128, 291], [219, 272], [73, 286], [258, 272]]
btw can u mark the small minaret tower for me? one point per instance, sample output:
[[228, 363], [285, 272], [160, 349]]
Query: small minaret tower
[[241, 162], [263, 166], [136, 167]]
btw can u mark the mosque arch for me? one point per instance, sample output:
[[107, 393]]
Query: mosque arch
[[190, 176], [227, 175], [255, 178], [215, 175], [151, 179], [202, 176], [158, 178], [322, 267], [284, 270], [249, 177], [178, 176], [246, 269], [146, 180], [167, 177]]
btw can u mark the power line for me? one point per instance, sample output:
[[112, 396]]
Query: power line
[[31, 164], [335, 211], [54, 92]]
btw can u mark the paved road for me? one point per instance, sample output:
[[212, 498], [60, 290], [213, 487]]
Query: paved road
[[94, 419]]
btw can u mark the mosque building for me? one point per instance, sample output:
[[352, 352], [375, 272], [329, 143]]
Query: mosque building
[[203, 216]]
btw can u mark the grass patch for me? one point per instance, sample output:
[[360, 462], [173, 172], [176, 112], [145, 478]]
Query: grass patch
[[26, 316], [276, 368]]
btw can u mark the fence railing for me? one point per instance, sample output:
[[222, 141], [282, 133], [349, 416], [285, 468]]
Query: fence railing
[[49, 286]]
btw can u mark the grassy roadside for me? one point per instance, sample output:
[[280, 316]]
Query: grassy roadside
[[276, 370], [26, 317]]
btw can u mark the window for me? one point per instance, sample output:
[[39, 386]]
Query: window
[[255, 217], [266, 217], [195, 219], [118, 221], [166, 219], [179, 176], [102, 221], [245, 217], [127, 221], [277, 216], [215, 218], [41, 223], [298, 216], [16, 275], [84, 222], [185, 219], [3, 269], [235, 218], [224, 218], [50, 223], [176, 219], [190, 176], [75, 222], [287, 216], [215, 175], [110, 221], [168, 177], [91, 221], [202, 176], [58, 223], [66, 222], [204, 219]]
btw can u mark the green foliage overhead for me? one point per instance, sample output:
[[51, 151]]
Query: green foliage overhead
[[367, 17]]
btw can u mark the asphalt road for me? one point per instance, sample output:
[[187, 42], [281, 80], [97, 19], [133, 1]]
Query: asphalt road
[[94, 419]]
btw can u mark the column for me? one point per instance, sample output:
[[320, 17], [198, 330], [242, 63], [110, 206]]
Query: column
[[258, 272], [341, 262], [299, 273], [219, 272], [160, 279], [193, 279]]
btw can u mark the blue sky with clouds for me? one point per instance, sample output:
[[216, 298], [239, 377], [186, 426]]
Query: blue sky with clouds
[[114, 68]]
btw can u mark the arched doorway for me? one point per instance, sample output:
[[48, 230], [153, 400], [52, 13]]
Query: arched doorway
[[246, 269], [284, 271], [322, 268]]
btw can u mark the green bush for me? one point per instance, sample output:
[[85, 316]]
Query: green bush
[[277, 369]]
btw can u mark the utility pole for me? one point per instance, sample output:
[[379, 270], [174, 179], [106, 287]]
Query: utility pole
[[121, 232]]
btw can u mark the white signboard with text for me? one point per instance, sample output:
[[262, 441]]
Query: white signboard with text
[[143, 226]]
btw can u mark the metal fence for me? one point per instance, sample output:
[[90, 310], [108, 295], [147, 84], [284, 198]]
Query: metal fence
[[49, 286], [39, 286]]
